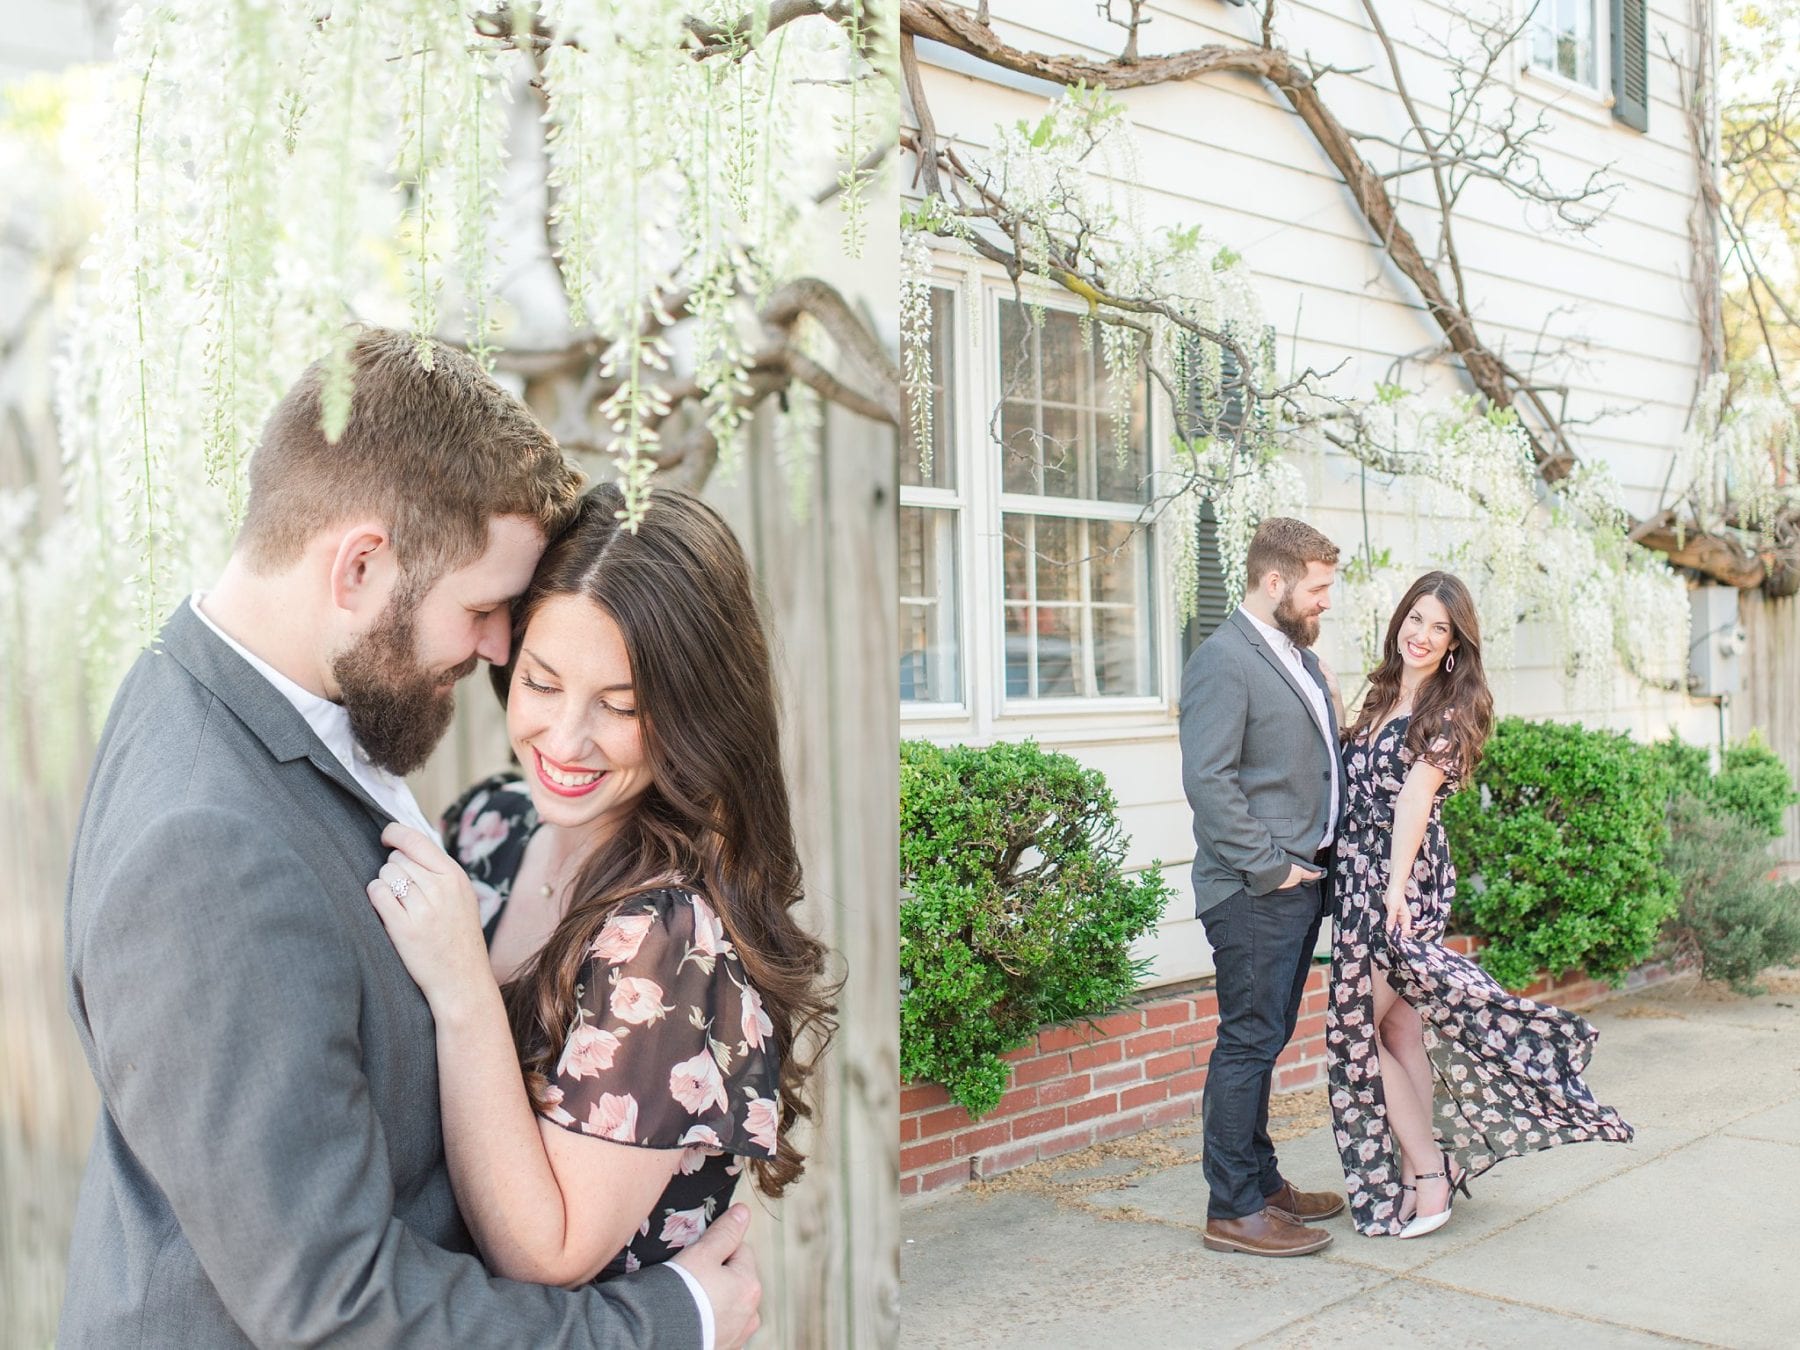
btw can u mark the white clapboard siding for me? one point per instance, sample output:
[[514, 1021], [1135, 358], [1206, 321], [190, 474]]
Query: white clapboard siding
[[1226, 153]]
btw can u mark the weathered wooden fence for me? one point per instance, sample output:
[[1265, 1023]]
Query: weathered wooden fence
[[1772, 691], [829, 1251]]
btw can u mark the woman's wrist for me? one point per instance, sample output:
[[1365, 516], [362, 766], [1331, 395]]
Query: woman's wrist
[[458, 1003]]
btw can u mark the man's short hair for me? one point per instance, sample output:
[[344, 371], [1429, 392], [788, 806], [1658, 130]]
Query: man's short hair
[[1285, 545], [435, 454]]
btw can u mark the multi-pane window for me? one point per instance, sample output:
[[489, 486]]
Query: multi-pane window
[[1077, 580], [1077, 596], [930, 509], [1564, 39]]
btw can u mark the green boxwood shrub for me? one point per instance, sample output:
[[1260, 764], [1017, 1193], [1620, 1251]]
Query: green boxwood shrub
[[1559, 845], [1015, 908], [1733, 916], [1752, 784]]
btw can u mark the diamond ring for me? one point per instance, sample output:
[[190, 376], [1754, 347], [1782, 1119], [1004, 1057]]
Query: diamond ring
[[400, 887]]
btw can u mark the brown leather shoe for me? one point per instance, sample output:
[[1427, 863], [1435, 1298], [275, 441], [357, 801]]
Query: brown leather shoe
[[1268, 1232], [1304, 1206]]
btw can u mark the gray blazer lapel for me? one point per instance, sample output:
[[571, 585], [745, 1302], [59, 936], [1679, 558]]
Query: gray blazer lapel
[[255, 702], [1276, 664], [1311, 662]]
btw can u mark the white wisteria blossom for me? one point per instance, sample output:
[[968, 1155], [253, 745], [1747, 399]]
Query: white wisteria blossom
[[625, 183], [1740, 460]]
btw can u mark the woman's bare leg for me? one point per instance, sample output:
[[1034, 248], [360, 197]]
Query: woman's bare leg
[[1402, 1036], [1409, 1112]]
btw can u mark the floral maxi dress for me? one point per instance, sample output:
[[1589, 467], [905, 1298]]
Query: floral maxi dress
[[1506, 1071], [670, 1046]]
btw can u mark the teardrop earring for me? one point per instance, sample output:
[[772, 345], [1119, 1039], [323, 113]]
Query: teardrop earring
[[1449, 662]]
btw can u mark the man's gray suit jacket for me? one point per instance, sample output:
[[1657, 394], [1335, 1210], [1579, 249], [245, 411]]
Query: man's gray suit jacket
[[268, 1167], [1256, 768]]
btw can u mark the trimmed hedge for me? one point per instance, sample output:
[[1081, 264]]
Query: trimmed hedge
[[1015, 911], [1560, 842], [1752, 785]]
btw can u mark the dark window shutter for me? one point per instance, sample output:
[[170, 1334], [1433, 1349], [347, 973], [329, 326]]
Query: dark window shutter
[[1631, 63], [1216, 412], [1214, 605]]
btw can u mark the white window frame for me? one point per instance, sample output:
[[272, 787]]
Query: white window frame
[[1600, 92], [1008, 711], [987, 715], [954, 499]]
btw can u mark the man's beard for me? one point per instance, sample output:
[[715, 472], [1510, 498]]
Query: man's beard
[[398, 709], [1301, 629]]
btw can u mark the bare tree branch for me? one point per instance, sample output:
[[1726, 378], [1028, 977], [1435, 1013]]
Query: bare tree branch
[[1470, 146]]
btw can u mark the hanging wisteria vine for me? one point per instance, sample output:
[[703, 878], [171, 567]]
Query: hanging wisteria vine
[[271, 171]]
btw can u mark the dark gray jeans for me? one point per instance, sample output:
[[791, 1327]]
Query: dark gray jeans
[[1262, 948]]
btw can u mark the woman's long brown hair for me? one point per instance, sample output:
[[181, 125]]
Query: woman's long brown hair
[[1462, 691], [681, 592]]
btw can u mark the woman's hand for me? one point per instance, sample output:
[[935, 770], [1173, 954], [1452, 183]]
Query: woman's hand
[[1399, 917], [429, 909]]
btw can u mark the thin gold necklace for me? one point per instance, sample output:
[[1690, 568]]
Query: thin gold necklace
[[552, 885]]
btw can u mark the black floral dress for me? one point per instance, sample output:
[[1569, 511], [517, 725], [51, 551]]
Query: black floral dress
[[1507, 1071], [670, 1046]]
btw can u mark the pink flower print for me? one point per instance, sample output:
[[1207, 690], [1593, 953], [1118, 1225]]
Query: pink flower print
[[760, 1121], [696, 1084], [703, 1136], [479, 833], [693, 1159], [620, 939], [683, 1227], [588, 1051], [709, 932], [614, 1116], [487, 900], [637, 1000], [756, 1021], [631, 1261], [553, 1107]]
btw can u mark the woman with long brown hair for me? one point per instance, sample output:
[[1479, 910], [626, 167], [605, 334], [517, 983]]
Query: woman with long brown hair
[[1407, 1016], [640, 1022]]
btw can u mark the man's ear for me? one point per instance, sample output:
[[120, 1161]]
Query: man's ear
[[363, 570]]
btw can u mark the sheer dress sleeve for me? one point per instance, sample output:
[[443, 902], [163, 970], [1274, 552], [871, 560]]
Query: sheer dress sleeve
[[670, 1046], [1441, 753]]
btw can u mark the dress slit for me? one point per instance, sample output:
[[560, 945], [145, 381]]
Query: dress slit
[[1507, 1070]]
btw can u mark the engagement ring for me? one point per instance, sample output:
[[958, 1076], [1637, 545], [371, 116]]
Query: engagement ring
[[400, 887]]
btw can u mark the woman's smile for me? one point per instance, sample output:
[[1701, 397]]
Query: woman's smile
[[565, 780]]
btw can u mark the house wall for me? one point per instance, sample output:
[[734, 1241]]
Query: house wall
[[1225, 152], [47, 35]]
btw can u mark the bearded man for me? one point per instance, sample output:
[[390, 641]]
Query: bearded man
[[1259, 760], [268, 1165]]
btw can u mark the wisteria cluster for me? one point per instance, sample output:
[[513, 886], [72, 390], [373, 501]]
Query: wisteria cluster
[[270, 171], [1740, 458]]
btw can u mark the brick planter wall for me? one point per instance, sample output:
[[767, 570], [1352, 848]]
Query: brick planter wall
[[1086, 1082]]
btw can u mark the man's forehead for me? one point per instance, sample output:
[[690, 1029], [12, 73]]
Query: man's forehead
[[504, 568]]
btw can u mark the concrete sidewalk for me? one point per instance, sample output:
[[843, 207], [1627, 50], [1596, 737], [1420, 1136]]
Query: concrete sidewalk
[[1688, 1236]]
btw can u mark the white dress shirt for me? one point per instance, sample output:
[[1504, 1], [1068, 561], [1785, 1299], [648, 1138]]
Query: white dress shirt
[[1283, 646], [331, 724]]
